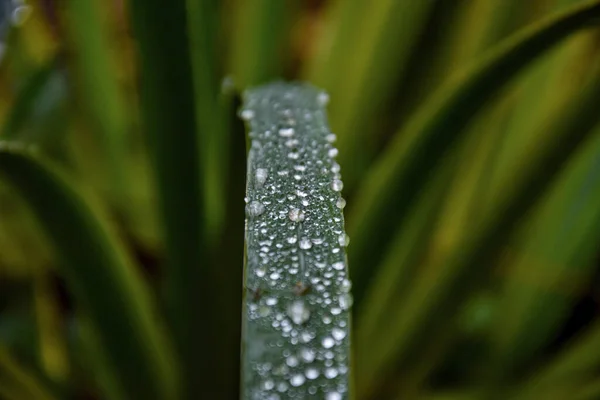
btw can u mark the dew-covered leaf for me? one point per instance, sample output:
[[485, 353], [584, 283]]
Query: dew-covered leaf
[[297, 303]]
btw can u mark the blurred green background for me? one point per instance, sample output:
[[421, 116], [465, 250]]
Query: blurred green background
[[70, 86]]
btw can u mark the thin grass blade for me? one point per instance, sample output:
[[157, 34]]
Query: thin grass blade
[[99, 89], [393, 183], [16, 382], [440, 291], [167, 106], [100, 275], [262, 29]]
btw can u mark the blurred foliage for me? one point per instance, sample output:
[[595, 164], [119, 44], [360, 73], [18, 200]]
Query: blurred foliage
[[475, 261]]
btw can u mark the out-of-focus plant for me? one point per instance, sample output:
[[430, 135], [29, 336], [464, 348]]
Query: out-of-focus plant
[[468, 135]]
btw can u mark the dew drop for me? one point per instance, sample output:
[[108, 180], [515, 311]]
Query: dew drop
[[282, 387], [296, 215], [346, 285], [331, 137], [338, 266], [332, 152], [331, 373], [261, 176], [333, 396], [340, 203], [292, 239], [346, 301], [328, 342], [264, 311], [268, 384], [286, 132], [323, 99], [337, 185], [255, 208], [305, 244], [338, 334], [307, 355], [344, 240], [311, 373], [297, 380], [247, 114], [292, 361], [298, 312]]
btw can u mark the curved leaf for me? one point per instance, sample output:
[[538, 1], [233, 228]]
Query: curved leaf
[[100, 276], [400, 175], [439, 293]]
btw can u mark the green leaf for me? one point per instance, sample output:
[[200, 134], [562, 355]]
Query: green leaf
[[16, 382], [579, 360], [100, 276], [441, 290], [193, 301], [202, 22], [376, 50], [553, 259], [297, 301], [261, 35], [391, 186], [23, 105], [99, 89]]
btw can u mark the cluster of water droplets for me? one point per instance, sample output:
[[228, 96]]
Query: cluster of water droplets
[[298, 293]]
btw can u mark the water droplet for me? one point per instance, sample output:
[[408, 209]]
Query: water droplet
[[305, 244], [264, 311], [261, 176], [344, 240], [306, 337], [331, 137], [335, 168], [292, 239], [331, 373], [328, 342], [323, 99], [292, 361], [338, 334], [312, 373], [268, 384], [297, 380], [346, 285], [274, 276], [338, 266], [296, 215], [332, 152], [340, 203], [282, 387], [337, 185], [298, 312], [286, 132], [20, 14], [346, 301], [307, 355], [255, 208], [333, 396], [247, 114], [271, 301]]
